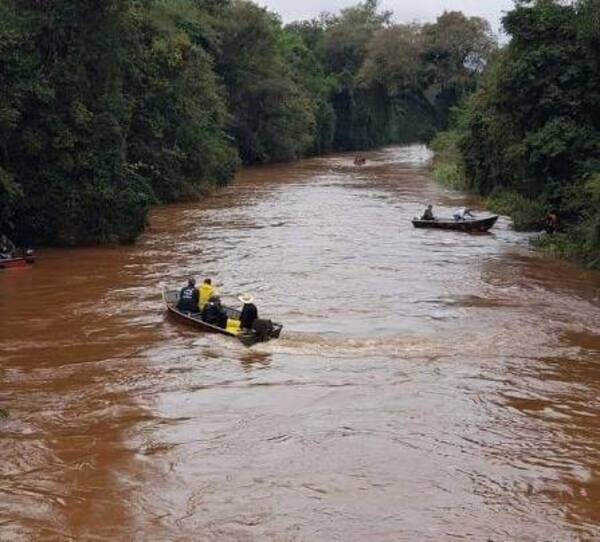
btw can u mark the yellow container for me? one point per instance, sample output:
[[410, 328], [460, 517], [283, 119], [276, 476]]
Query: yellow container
[[234, 326]]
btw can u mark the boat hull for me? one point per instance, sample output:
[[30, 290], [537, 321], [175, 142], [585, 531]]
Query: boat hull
[[17, 263], [248, 338], [470, 226]]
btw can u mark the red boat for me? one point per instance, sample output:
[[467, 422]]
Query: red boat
[[14, 263]]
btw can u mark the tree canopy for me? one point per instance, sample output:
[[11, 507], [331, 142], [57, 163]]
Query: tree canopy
[[533, 126], [109, 107]]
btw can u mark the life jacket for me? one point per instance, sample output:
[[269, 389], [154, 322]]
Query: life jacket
[[206, 292]]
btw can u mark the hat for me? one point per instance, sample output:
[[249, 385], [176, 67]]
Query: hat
[[246, 298]]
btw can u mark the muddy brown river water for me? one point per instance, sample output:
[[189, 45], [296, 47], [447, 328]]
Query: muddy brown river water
[[428, 385]]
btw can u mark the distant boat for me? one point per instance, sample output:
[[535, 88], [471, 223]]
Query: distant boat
[[14, 263], [478, 225], [247, 337]]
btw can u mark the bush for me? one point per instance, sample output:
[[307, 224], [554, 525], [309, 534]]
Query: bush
[[448, 168], [526, 214]]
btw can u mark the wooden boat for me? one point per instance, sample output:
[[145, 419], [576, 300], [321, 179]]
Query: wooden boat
[[14, 263], [478, 225], [247, 337]]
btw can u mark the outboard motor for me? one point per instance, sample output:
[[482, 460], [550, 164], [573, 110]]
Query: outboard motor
[[29, 255], [263, 329]]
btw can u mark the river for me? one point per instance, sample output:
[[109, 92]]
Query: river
[[428, 385]]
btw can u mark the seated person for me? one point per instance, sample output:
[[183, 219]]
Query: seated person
[[428, 214], [7, 248], [249, 311], [214, 314], [460, 215], [189, 298], [207, 290]]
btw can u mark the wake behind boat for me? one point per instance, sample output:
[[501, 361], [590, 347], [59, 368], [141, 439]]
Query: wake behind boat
[[247, 337], [475, 225]]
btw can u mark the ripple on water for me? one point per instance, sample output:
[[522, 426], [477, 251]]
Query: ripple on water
[[427, 386]]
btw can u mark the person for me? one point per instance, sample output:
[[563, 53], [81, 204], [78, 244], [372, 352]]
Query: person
[[207, 290], [461, 214], [7, 248], [249, 311], [428, 214], [214, 313], [552, 222], [189, 298]]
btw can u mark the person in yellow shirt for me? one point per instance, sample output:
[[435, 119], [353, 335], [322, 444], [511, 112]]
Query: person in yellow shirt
[[207, 290]]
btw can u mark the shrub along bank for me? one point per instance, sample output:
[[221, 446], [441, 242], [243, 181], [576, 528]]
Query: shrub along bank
[[110, 107], [529, 137]]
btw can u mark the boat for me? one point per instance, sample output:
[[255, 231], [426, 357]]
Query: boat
[[475, 225], [247, 337], [14, 263]]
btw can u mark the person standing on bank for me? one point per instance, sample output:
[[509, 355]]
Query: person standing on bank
[[249, 311], [189, 298]]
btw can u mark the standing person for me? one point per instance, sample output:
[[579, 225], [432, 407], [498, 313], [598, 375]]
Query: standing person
[[249, 311], [207, 290], [7, 248], [552, 222], [189, 298]]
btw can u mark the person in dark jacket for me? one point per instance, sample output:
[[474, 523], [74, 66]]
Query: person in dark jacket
[[428, 214], [249, 311], [214, 314], [189, 298]]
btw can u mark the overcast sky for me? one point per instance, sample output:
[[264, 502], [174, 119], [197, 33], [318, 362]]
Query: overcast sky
[[404, 10]]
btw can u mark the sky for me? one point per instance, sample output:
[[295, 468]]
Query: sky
[[404, 10]]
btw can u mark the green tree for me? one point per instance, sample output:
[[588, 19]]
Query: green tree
[[177, 135], [272, 118], [533, 127]]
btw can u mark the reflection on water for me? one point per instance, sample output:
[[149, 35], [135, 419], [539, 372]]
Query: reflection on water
[[429, 385]]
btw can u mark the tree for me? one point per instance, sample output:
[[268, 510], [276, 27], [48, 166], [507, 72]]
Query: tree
[[533, 127], [272, 118]]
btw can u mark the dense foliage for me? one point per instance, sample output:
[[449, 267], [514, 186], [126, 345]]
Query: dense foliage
[[530, 136], [108, 107]]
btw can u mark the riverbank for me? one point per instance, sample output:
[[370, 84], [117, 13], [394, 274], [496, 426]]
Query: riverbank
[[528, 138], [577, 238], [186, 92]]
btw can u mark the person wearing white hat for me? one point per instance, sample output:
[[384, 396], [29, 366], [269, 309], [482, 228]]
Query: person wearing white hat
[[249, 311]]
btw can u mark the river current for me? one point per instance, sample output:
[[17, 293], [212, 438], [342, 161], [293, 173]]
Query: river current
[[428, 385]]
